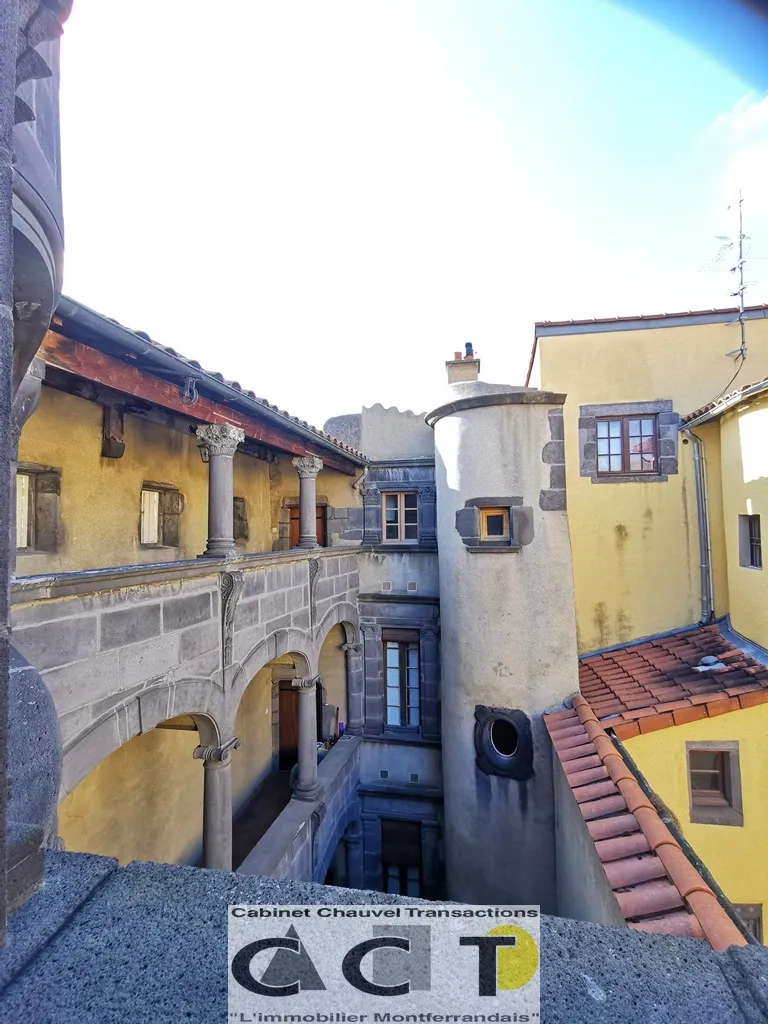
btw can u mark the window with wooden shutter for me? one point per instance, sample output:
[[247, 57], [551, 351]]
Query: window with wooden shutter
[[160, 517], [38, 491]]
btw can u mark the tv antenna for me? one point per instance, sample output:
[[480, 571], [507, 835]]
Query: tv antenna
[[741, 351]]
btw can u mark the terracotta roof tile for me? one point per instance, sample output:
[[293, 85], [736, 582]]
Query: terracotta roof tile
[[655, 885], [657, 685]]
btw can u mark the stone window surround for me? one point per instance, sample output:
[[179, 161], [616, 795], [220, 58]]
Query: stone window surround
[[667, 429], [375, 680], [520, 524], [732, 814], [372, 495], [45, 514]]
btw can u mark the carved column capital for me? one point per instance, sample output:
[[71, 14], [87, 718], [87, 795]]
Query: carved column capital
[[305, 683], [216, 755], [351, 649], [370, 629], [428, 494], [371, 496], [307, 466], [218, 439]]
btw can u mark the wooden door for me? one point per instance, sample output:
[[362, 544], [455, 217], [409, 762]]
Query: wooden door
[[294, 526], [288, 725]]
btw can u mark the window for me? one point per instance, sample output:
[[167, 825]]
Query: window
[[750, 546], [240, 518], [714, 783], [626, 444], [37, 509], [401, 659], [401, 856], [24, 492], [494, 524], [160, 514], [401, 516], [752, 916]]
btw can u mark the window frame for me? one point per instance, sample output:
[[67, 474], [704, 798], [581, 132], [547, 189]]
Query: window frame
[[164, 492], [708, 809], [750, 541], [751, 915], [624, 420], [43, 509], [404, 639], [401, 523], [397, 863], [29, 547], [495, 538]]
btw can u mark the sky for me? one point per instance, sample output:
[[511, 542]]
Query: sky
[[324, 200]]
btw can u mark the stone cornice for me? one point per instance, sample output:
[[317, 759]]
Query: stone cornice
[[503, 398], [67, 584]]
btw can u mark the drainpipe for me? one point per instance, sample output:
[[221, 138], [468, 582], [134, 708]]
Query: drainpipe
[[702, 511]]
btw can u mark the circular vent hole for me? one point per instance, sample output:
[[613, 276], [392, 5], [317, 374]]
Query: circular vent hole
[[504, 737]]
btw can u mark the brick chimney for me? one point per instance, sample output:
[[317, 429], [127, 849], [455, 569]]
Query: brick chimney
[[461, 369]]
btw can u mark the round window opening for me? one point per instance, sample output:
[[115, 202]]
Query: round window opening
[[504, 737]]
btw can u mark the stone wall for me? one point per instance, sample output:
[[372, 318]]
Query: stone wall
[[122, 650]]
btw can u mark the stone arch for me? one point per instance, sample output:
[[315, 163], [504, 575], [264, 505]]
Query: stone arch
[[343, 614], [283, 641], [140, 714]]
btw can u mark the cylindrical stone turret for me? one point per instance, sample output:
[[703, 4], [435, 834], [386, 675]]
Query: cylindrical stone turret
[[508, 635]]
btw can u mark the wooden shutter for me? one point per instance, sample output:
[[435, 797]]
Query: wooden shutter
[[240, 513], [171, 505]]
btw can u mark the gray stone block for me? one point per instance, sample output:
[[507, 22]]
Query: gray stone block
[[272, 605], [93, 746], [73, 723], [100, 707], [295, 599], [324, 588], [50, 609], [281, 622], [552, 501], [247, 640], [247, 613], [557, 477], [83, 682], [129, 625], [553, 453], [57, 643], [669, 419], [186, 611], [340, 585], [254, 583], [279, 577], [556, 424], [330, 566], [148, 660], [154, 707], [299, 573], [668, 447], [354, 580], [300, 619], [668, 466], [198, 640]]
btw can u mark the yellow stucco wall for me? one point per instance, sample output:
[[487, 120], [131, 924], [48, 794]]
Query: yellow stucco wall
[[252, 762], [744, 439], [734, 854], [333, 670], [143, 802], [100, 498], [635, 545]]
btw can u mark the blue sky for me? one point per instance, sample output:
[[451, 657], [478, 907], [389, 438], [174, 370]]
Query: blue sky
[[324, 201]]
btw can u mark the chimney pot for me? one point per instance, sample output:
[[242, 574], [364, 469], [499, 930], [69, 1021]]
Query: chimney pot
[[457, 356], [469, 352]]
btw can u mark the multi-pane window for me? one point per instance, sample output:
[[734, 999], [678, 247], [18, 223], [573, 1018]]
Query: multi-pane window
[[38, 491], [401, 856], [626, 444], [160, 515], [401, 660], [714, 783], [709, 778], [750, 543], [401, 516]]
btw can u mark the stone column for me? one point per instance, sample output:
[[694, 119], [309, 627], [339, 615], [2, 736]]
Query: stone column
[[374, 702], [308, 466], [353, 839], [430, 835], [430, 682], [307, 786], [217, 443], [354, 671], [217, 804]]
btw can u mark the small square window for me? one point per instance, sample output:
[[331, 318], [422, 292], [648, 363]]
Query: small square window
[[494, 524], [714, 783], [750, 544]]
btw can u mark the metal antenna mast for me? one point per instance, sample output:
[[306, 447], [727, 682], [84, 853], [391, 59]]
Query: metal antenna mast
[[742, 349]]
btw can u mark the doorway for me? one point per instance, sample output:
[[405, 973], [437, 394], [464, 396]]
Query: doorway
[[288, 725]]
